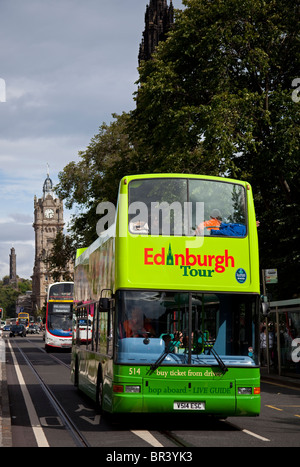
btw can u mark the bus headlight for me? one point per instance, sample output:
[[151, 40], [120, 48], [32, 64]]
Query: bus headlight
[[133, 389], [244, 390]]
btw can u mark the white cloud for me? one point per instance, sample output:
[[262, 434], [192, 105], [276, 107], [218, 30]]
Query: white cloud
[[67, 66], [57, 151], [24, 254]]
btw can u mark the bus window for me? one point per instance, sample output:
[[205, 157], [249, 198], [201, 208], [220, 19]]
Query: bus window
[[157, 206], [187, 324], [59, 316], [224, 207], [61, 290], [186, 207], [95, 328], [105, 333]]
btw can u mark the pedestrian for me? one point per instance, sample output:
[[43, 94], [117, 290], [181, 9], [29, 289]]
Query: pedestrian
[[263, 346]]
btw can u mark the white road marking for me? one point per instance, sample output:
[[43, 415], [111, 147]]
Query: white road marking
[[247, 432], [146, 436], [34, 420], [255, 435]]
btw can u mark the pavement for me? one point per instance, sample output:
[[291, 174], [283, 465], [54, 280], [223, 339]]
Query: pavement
[[273, 378], [5, 419]]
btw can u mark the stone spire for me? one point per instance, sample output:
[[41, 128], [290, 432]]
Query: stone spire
[[13, 267], [159, 19], [48, 185]]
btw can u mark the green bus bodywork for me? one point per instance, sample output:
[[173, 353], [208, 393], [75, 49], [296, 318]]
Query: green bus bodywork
[[199, 292]]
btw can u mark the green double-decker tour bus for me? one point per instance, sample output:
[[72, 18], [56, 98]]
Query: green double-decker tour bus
[[171, 291]]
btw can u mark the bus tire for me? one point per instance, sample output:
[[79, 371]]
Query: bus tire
[[99, 391]]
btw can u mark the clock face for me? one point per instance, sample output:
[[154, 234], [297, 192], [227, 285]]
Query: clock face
[[49, 213]]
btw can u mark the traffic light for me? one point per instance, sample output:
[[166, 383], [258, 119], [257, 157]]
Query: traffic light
[[1, 311]]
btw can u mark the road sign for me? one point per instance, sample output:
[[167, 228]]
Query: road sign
[[271, 276]]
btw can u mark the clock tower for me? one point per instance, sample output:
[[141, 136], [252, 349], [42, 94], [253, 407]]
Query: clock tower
[[48, 220]]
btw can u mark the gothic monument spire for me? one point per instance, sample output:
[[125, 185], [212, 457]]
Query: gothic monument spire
[[159, 19]]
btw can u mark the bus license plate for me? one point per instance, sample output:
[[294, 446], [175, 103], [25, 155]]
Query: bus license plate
[[189, 406]]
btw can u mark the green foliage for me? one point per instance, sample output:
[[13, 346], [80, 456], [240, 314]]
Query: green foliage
[[221, 87], [58, 261], [9, 295], [215, 85], [24, 285], [95, 178]]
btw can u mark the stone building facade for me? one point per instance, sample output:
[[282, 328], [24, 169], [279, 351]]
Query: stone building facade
[[48, 220]]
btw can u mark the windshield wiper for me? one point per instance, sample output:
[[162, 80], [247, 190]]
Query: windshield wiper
[[170, 345], [214, 353], [160, 359]]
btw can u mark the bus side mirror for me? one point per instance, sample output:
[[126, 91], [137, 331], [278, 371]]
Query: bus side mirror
[[104, 304], [265, 308]]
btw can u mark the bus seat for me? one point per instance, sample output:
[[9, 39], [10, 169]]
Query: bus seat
[[230, 230]]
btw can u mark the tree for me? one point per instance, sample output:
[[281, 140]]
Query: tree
[[217, 99], [221, 83], [9, 295], [109, 156], [61, 257], [24, 285]]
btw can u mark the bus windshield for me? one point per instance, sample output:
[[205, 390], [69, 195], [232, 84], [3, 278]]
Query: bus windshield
[[59, 316], [24, 321], [188, 327], [179, 206]]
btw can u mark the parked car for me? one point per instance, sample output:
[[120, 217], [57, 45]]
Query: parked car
[[17, 330], [6, 327]]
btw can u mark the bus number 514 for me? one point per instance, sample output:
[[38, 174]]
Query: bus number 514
[[134, 371]]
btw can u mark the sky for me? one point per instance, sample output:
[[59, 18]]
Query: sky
[[65, 67]]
